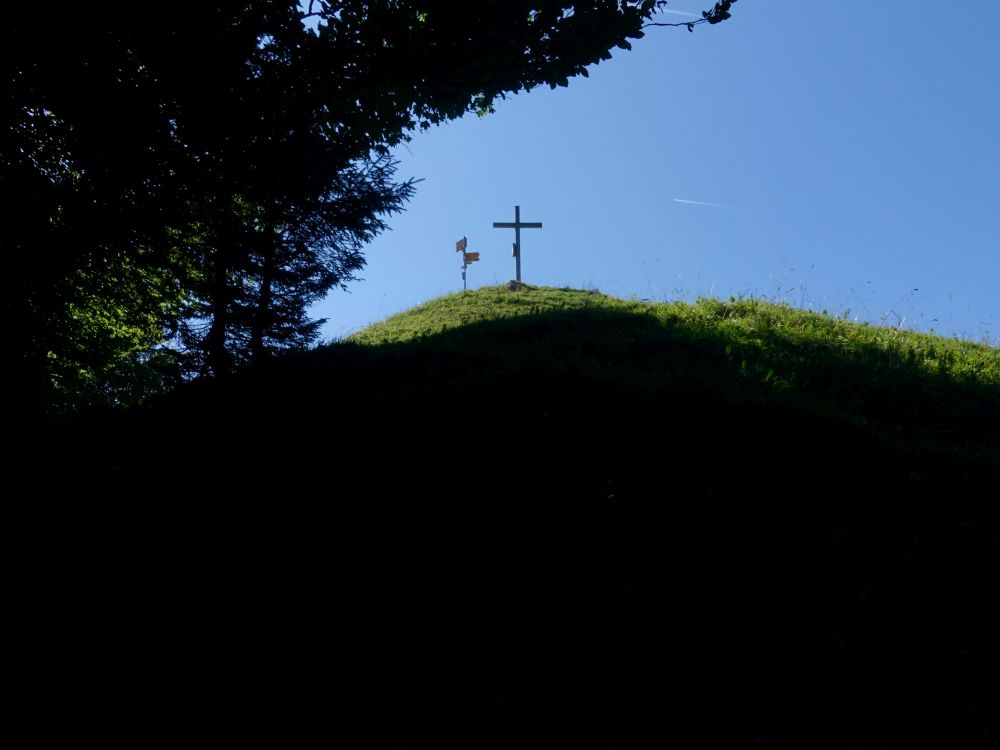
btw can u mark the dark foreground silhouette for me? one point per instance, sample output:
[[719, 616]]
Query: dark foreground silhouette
[[367, 550]]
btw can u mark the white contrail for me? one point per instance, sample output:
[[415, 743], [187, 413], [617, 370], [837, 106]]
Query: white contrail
[[679, 13], [701, 203]]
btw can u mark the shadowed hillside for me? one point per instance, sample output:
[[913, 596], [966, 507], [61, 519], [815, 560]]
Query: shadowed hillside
[[549, 516]]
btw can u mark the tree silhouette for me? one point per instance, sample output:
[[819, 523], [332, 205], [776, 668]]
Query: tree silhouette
[[201, 174], [278, 259]]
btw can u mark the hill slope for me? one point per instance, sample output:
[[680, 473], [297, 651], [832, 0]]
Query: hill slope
[[553, 516], [917, 391]]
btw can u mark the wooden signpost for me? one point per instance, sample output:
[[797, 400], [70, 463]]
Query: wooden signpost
[[460, 247]]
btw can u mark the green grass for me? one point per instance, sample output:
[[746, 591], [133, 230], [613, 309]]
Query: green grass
[[915, 390], [487, 304], [750, 323]]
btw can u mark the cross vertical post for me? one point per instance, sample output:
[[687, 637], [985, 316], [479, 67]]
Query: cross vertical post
[[517, 242], [517, 226]]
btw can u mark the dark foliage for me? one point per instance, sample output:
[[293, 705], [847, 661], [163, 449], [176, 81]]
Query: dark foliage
[[253, 303], [183, 170]]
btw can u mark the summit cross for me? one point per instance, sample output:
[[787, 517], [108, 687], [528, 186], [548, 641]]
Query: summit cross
[[517, 225]]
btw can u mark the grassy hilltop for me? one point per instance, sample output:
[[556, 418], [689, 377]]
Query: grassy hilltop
[[920, 393], [554, 517]]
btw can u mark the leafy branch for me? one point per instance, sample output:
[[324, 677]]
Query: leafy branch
[[717, 14]]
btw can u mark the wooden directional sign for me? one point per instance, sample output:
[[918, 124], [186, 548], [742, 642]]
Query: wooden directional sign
[[470, 257], [461, 245]]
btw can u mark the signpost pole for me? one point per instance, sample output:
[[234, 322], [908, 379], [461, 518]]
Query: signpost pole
[[462, 247]]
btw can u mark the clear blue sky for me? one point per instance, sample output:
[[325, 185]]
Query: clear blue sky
[[853, 149]]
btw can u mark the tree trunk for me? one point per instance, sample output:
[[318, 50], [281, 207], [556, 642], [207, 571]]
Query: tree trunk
[[261, 317], [216, 353]]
